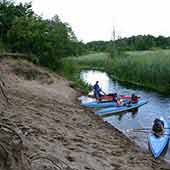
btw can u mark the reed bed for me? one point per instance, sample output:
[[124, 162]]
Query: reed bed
[[147, 68], [92, 61]]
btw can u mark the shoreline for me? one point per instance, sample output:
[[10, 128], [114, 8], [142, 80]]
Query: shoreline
[[136, 147], [53, 126], [128, 82]]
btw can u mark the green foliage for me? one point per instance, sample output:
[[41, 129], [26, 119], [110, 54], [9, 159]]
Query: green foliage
[[49, 40], [46, 42], [81, 85], [2, 47], [97, 46], [140, 42], [8, 13], [27, 34], [69, 68], [147, 68], [46, 39], [96, 60]]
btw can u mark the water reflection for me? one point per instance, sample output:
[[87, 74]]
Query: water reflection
[[158, 105], [120, 115], [105, 82]]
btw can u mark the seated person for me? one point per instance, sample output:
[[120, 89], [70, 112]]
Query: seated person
[[158, 127], [115, 97], [134, 98], [119, 101]]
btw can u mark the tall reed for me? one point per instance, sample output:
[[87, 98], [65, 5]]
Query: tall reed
[[148, 68]]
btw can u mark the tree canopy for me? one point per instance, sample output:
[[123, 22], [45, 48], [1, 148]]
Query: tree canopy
[[49, 40], [24, 31], [140, 42]]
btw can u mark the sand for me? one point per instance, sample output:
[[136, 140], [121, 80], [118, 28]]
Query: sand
[[43, 127]]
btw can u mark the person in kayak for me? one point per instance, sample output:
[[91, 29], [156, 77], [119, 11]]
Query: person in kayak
[[114, 97], [134, 99], [119, 101], [158, 127], [97, 91]]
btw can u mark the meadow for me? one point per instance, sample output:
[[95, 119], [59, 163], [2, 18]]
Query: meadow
[[91, 61], [149, 69]]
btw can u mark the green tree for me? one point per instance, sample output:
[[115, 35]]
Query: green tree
[[9, 12]]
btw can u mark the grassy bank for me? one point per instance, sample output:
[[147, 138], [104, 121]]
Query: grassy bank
[[71, 70], [144, 68], [72, 66], [2, 47], [92, 61]]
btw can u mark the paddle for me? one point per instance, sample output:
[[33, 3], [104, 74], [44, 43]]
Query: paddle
[[103, 92], [143, 130], [150, 132], [138, 129]]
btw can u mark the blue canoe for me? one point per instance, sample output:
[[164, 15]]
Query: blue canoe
[[99, 104], [117, 109], [158, 144]]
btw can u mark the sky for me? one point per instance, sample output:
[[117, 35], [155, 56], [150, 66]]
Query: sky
[[93, 20]]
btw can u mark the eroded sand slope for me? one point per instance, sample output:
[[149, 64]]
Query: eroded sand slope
[[44, 128]]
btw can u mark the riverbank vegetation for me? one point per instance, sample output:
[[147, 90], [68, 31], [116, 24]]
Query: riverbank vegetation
[[139, 42], [46, 40], [91, 61], [71, 70], [53, 44], [144, 68]]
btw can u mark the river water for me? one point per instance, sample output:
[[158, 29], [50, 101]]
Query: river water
[[158, 105]]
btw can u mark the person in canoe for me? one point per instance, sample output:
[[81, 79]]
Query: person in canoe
[[97, 91], [115, 97], [158, 127], [118, 100], [134, 99]]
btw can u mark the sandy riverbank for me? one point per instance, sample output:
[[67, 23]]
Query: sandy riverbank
[[52, 131]]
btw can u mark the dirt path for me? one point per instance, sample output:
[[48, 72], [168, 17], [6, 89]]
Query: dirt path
[[52, 131]]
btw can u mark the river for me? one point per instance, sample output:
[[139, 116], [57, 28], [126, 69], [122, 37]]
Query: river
[[158, 105]]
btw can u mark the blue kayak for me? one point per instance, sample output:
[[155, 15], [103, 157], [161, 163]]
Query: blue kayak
[[99, 104], [117, 109], [158, 144]]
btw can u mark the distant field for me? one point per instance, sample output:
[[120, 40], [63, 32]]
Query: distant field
[[147, 68], [97, 60]]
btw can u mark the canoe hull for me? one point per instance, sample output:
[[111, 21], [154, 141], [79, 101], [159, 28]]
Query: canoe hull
[[158, 144], [99, 104], [109, 110], [109, 97]]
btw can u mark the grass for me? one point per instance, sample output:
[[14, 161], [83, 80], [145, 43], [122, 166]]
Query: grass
[[147, 68], [92, 61], [2, 47], [71, 70]]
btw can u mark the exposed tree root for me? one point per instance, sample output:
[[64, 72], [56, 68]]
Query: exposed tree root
[[11, 150], [58, 164], [2, 84]]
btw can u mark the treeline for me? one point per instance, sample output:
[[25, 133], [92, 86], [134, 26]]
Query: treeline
[[140, 42], [46, 40]]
